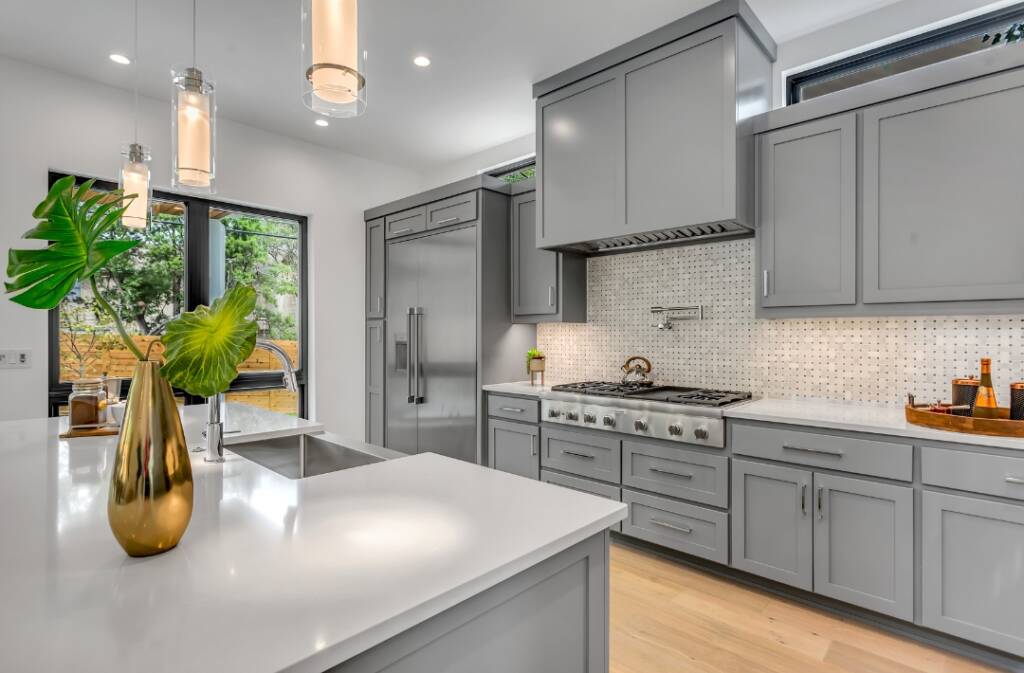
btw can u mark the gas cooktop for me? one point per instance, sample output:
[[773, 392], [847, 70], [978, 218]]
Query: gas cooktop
[[655, 393]]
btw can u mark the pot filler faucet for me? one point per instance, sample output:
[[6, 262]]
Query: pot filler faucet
[[215, 427]]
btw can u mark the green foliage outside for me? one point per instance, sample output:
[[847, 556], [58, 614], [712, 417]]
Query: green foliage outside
[[520, 175]]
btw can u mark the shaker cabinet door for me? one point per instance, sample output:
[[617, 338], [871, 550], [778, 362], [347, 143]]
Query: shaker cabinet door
[[534, 270], [941, 192], [772, 525], [514, 447], [864, 544], [375, 382], [807, 214], [375, 272]]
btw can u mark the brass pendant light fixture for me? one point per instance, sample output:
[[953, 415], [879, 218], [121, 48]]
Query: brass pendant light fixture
[[333, 57], [134, 177], [193, 126]]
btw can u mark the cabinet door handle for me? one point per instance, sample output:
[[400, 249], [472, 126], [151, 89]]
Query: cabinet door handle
[[821, 503], [1010, 479], [551, 295], [447, 220], [380, 302], [681, 475], [828, 452], [764, 283], [409, 342], [586, 456], [665, 524], [515, 410], [533, 445], [404, 230], [803, 499]]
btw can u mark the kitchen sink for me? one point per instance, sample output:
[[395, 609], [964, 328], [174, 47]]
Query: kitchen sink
[[310, 454]]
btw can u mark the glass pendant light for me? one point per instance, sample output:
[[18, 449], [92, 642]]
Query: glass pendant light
[[333, 58], [134, 174], [193, 126]]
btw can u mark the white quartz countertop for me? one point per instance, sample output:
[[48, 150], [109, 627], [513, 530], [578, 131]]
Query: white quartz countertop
[[273, 574], [519, 388], [857, 417]]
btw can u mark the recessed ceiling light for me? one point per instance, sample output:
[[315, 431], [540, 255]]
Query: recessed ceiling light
[[120, 59], [421, 61], [321, 122]]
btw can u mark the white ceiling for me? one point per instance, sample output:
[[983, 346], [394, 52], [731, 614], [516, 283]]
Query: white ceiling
[[486, 54]]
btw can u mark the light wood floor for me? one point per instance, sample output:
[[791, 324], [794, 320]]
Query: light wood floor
[[668, 618]]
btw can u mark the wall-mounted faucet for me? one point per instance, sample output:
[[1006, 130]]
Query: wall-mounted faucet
[[666, 315]]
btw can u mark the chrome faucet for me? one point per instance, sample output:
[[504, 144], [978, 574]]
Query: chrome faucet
[[215, 426]]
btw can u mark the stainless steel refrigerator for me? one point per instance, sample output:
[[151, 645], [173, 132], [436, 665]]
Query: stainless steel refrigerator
[[432, 344]]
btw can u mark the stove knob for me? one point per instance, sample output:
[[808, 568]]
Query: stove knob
[[589, 417], [554, 413], [640, 425], [675, 429], [571, 416], [609, 421], [701, 432]]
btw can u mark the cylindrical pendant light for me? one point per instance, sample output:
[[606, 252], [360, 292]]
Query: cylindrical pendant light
[[193, 127], [134, 174], [334, 58]]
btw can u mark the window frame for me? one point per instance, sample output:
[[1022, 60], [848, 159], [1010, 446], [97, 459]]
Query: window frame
[[197, 291], [904, 47]]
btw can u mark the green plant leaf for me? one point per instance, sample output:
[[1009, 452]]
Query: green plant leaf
[[203, 348], [73, 225]]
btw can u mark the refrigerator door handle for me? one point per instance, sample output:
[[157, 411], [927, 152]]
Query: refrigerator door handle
[[418, 398], [410, 343]]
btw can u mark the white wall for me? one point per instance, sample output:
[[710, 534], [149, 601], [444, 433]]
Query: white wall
[[475, 163], [49, 120]]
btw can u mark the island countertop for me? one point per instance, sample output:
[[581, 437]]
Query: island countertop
[[273, 574]]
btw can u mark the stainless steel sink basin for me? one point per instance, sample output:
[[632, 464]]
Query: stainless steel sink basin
[[308, 455]]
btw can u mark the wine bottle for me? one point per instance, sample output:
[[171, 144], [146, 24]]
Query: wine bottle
[[985, 403]]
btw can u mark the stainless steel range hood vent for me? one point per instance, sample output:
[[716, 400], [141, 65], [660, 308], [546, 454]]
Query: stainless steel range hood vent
[[665, 237]]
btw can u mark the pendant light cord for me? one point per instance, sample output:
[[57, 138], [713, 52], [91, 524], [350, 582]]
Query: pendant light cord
[[195, 9], [136, 71]]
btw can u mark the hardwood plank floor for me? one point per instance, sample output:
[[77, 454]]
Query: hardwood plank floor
[[669, 618]]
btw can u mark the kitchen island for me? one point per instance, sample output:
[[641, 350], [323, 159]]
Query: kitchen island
[[423, 563]]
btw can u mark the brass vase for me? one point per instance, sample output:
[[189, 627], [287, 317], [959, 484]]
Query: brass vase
[[150, 500]]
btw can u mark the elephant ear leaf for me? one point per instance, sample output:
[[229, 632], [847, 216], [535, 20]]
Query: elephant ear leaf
[[203, 348], [74, 224]]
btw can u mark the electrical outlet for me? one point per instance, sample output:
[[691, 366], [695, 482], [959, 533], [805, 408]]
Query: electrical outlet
[[15, 359]]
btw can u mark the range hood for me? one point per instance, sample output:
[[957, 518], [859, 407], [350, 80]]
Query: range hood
[[696, 233]]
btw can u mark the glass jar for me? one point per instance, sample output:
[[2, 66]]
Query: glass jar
[[86, 404]]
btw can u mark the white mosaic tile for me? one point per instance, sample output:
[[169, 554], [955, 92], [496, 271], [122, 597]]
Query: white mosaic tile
[[865, 359]]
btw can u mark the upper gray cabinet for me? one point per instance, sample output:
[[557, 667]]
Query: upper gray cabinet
[[941, 191], [807, 219], [375, 271], [653, 143], [547, 286]]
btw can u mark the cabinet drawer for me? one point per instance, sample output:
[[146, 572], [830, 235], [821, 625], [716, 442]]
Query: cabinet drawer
[[585, 486], [862, 456], [976, 472], [457, 209], [687, 528], [582, 453], [690, 475], [513, 408], [406, 222]]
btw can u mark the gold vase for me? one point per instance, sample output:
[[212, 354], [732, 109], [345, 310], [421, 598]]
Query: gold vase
[[150, 500]]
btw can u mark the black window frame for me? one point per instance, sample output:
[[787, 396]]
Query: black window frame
[[895, 50], [197, 291]]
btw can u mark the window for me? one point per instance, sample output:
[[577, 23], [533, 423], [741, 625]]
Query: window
[[932, 47], [193, 250], [516, 172]]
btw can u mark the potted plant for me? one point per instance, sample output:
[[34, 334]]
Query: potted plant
[[535, 364], [150, 500]]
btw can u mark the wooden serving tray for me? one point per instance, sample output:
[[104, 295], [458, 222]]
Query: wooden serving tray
[[996, 427], [106, 431]]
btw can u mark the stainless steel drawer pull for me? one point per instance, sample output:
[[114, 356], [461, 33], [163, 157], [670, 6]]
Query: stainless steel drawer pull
[[1010, 479], [515, 410], [827, 452], [533, 445], [682, 475], [447, 220], [764, 283], [401, 231], [578, 454], [671, 526], [803, 499]]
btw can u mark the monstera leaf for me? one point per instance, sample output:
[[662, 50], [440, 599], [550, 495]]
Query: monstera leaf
[[203, 348], [74, 225]]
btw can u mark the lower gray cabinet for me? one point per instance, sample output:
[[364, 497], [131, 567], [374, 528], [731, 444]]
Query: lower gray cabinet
[[513, 447], [864, 544], [593, 454], [695, 530], [375, 382], [972, 573], [772, 526]]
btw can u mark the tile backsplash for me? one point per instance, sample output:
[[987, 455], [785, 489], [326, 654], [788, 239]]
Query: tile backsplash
[[864, 359]]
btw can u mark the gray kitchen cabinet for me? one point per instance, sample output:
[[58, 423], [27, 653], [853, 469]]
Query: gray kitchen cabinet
[[375, 382], [451, 211], [807, 219], [972, 578], [687, 528], [593, 454], [514, 447], [941, 183], [547, 286], [584, 486], [772, 527], [864, 544], [375, 270], [406, 222]]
